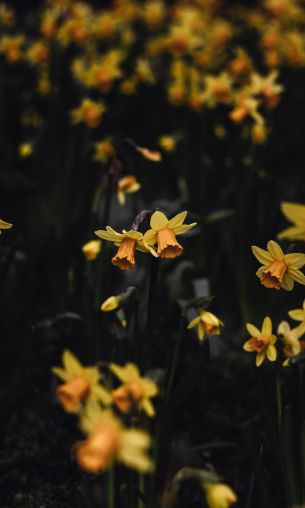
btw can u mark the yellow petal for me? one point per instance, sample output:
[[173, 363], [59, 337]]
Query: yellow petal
[[150, 388], [194, 322], [180, 230], [158, 221], [271, 353], [121, 198], [297, 275], [275, 250], [248, 346], [201, 330], [253, 331], [262, 255], [108, 235], [260, 357], [267, 327], [297, 314], [295, 260], [293, 233], [71, 363], [61, 373], [5, 225], [283, 328], [148, 407], [287, 282], [295, 212], [177, 220]]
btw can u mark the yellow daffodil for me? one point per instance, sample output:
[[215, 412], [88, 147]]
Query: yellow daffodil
[[38, 53], [128, 242], [267, 87], [81, 384], [127, 185], [167, 142], [292, 345], [151, 155], [92, 249], [279, 270], [89, 112], [299, 315], [207, 323], [5, 225], [219, 495], [294, 212], [112, 303], [164, 232], [261, 342], [25, 150], [104, 150], [108, 441], [136, 391], [11, 47], [217, 89]]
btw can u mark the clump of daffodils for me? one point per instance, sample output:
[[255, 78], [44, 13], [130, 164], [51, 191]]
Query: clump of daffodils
[[262, 342], [279, 270]]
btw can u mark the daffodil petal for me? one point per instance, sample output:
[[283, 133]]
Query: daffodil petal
[[193, 323], [71, 363], [271, 353], [177, 220], [297, 314], [180, 230], [253, 331], [260, 357], [295, 260], [275, 250], [295, 212], [287, 282], [262, 255], [148, 407], [267, 327], [297, 275], [293, 233], [248, 346], [61, 373], [158, 221]]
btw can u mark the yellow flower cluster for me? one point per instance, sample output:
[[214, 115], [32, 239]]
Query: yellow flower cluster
[[163, 233], [182, 47], [107, 437]]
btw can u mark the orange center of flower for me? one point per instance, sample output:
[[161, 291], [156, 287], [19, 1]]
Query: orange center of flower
[[273, 276], [221, 92], [127, 395], [239, 114], [211, 329], [124, 258], [71, 394], [259, 344], [168, 247], [126, 182], [92, 117], [97, 452]]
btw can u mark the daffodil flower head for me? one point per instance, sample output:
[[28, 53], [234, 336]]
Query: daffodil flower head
[[219, 495], [5, 225], [291, 344], [112, 303], [81, 384], [299, 315], [164, 232], [294, 212], [108, 440], [127, 185], [261, 342], [128, 242], [207, 323], [136, 391], [279, 270], [92, 249]]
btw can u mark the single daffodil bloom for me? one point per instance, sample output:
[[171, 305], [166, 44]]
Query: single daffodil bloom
[[92, 249], [81, 384], [299, 315], [164, 232], [207, 323], [219, 495], [136, 391], [291, 344], [127, 185], [112, 303], [261, 342], [279, 270]]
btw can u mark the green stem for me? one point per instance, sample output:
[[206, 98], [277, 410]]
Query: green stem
[[110, 488], [174, 361]]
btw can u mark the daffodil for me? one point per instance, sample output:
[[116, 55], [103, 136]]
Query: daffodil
[[299, 315], [104, 150], [219, 495], [294, 212], [151, 155], [25, 150], [5, 225], [92, 249], [135, 391], [167, 142], [127, 185], [89, 112], [261, 342], [108, 441], [112, 303], [207, 323], [292, 345], [164, 232], [128, 242], [81, 384], [279, 270]]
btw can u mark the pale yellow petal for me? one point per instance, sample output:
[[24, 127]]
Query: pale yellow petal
[[253, 330], [260, 357], [101, 394], [177, 220], [61, 373], [118, 371], [295, 260], [150, 237], [262, 255], [267, 327], [5, 225], [295, 212], [297, 314], [283, 328], [275, 250], [121, 198], [180, 230], [158, 221], [248, 346], [293, 233], [194, 322], [201, 330], [271, 353], [134, 188], [71, 363], [150, 388], [297, 275], [287, 282], [148, 407]]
